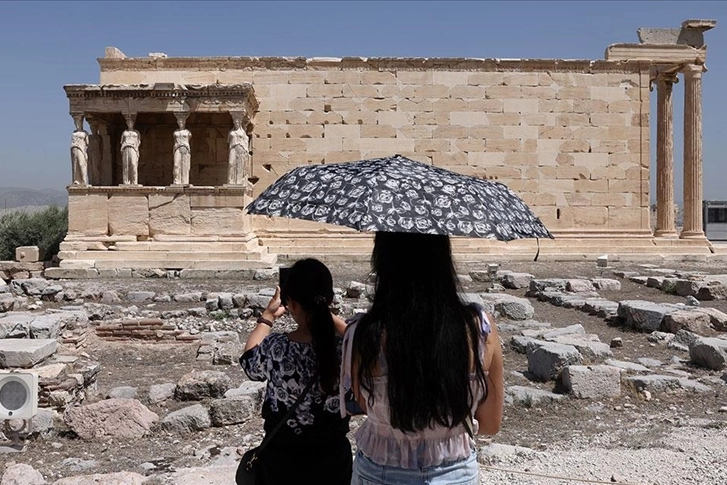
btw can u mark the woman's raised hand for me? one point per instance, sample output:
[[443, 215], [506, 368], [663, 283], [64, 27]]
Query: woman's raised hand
[[275, 305]]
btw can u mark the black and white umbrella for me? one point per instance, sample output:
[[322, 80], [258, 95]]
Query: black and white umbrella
[[396, 194]]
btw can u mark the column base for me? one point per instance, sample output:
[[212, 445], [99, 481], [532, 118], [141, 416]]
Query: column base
[[667, 233], [692, 235]]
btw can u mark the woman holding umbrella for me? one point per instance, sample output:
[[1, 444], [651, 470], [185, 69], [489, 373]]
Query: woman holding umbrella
[[425, 367]]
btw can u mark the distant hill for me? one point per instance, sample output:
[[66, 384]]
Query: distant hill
[[12, 197]]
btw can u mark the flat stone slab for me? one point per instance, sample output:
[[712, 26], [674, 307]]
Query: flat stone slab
[[25, 353]]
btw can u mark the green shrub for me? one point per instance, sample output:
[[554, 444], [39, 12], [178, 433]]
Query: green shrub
[[45, 229]]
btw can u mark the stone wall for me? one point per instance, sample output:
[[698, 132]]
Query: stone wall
[[571, 137]]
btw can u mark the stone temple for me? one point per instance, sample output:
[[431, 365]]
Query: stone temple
[[176, 147]]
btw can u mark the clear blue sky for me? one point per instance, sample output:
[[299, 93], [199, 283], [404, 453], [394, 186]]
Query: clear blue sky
[[44, 45]]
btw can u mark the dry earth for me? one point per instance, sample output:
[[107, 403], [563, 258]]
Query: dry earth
[[675, 438]]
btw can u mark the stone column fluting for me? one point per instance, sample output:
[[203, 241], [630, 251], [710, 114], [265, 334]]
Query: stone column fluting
[[665, 156], [693, 182]]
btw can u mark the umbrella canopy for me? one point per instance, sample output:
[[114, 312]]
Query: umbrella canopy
[[396, 194]]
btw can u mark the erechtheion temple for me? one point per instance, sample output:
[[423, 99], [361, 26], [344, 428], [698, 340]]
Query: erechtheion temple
[[176, 147]]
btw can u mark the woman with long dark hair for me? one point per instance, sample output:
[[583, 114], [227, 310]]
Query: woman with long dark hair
[[426, 368], [312, 446]]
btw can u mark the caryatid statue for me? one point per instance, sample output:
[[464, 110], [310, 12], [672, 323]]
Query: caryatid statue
[[239, 152], [130, 142], [79, 152], [182, 151]]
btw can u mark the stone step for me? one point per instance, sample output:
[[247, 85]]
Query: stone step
[[165, 256], [201, 246], [268, 261]]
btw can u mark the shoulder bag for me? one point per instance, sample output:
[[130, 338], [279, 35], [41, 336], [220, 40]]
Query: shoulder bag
[[246, 470]]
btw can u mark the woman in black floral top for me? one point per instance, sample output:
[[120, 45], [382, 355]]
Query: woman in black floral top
[[313, 447]]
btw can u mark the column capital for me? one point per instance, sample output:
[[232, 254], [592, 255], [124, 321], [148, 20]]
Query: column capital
[[693, 71], [667, 77]]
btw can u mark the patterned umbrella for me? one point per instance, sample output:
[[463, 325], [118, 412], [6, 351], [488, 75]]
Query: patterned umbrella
[[396, 194]]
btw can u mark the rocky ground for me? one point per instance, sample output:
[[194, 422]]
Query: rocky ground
[[670, 432]]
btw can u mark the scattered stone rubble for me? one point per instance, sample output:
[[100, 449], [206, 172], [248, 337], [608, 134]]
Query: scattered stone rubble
[[576, 363]]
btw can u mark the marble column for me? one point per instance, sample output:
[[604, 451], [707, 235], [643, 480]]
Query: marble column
[[665, 156], [693, 183]]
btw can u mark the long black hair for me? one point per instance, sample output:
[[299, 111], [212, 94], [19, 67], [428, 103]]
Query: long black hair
[[310, 283], [426, 333]]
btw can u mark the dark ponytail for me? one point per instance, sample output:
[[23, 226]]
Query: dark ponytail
[[311, 285]]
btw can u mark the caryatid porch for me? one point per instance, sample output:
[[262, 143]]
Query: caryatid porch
[[170, 164], [674, 51]]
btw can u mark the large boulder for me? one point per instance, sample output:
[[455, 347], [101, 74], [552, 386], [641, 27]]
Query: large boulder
[[25, 353], [692, 321], [198, 385], [644, 315], [546, 359], [187, 420], [509, 306], [516, 281], [122, 418], [592, 382], [709, 352], [21, 474]]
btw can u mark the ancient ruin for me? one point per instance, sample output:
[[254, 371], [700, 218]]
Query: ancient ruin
[[186, 142]]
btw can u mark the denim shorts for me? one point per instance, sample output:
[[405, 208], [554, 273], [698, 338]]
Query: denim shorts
[[463, 472]]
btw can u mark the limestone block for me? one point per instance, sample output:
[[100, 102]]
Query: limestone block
[[627, 217], [223, 221], [380, 77], [609, 93], [504, 145], [305, 131], [169, 214], [485, 78], [128, 214], [20, 474], [555, 106], [397, 119], [524, 132], [87, 215], [450, 78], [644, 315], [342, 131], [25, 353], [378, 131], [186, 420], [503, 92], [122, 418], [546, 359], [466, 92], [504, 119], [572, 119], [709, 352], [297, 104], [432, 91], [591, 217], [28, 254], [415, 77], [591, 106], [592, 382], [692, 321]]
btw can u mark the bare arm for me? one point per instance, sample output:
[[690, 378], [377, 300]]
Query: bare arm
[[271, 312], [489, 412], [340, 325]]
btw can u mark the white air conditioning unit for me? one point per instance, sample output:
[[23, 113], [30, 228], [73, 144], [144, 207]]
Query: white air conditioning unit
[[18, 394]]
